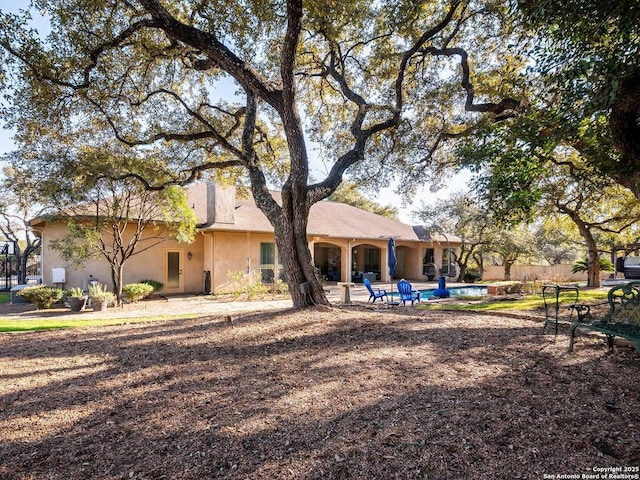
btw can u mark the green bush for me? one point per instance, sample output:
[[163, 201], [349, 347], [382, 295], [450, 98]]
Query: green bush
[[583, 265], [472, 275], [157, 286], [246, 284], [135, 292], [75, 292], [42, 296]]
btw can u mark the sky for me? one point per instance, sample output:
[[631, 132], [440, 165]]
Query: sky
[[385, 197]]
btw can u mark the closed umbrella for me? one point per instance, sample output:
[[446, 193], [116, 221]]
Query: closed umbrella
[[391, 262], [391, 258]]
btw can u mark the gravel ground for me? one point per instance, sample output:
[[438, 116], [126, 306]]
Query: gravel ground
[[340, 393]]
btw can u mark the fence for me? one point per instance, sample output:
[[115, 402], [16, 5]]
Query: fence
[[555, 273], [8, 273]]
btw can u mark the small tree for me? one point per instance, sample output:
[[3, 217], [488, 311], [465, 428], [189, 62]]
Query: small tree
[[464, 217], [117, 219], [512, 245]]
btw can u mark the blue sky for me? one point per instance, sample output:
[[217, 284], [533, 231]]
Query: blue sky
[[384, 197]]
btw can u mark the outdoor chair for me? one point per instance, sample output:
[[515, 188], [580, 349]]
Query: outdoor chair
[[375, 294], [407, 293]]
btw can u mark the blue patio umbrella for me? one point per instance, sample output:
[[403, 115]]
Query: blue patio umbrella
[[391, 262], [391, 258]]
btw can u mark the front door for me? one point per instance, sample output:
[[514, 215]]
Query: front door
[[173, 272]]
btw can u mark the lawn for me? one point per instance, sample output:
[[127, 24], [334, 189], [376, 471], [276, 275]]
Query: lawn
[[526, 303], [349, 393], [8, 324]]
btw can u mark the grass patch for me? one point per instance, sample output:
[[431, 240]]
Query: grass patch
[[525, 303], [36, 324], [5, 297]]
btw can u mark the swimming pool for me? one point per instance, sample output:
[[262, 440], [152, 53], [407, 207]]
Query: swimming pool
[[472, 291]]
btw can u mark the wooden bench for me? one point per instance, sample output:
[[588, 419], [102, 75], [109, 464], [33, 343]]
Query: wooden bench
[[621, 320]]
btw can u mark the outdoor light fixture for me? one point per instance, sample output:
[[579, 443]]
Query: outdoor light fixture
[[189, 255]]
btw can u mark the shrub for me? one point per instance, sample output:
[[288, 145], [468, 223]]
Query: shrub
[[99, 293], [42, 296], [472, 275], [157, 286], [135, 292], [582, 265], [281, 287], [75, 292], [246, 284]]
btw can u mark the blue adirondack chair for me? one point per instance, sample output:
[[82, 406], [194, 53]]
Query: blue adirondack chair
[[375, 294], [407, 293]]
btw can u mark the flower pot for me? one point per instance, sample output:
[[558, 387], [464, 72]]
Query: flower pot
[[100, 306], [76, 304]]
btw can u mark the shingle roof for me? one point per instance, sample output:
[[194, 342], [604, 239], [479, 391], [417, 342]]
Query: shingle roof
[[330, 219]]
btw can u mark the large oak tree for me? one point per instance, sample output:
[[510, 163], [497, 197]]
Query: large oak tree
[[376, 85]]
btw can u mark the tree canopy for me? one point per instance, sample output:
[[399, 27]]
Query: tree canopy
[[378, 85]]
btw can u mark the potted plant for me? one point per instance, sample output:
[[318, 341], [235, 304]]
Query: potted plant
[[100, 297], [76, 299]]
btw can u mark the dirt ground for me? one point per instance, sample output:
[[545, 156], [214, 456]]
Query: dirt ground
[[342, 393]]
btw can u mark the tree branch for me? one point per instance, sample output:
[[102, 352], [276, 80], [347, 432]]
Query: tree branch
[[210, 46], [506, 104]]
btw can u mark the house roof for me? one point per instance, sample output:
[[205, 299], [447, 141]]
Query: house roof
[[328, 219]]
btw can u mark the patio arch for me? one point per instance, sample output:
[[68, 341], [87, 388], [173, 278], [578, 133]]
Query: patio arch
[[328, 259]]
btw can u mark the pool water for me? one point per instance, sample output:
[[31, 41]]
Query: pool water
[[455, 292]]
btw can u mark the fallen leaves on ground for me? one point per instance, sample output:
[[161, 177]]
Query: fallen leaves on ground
[[348, 393]]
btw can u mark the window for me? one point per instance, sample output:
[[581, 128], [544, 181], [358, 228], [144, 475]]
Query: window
[[448, 261], [429, 256], [269, 269], [429, 268]]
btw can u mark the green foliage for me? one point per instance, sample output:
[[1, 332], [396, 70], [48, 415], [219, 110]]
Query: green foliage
[[349, 193], [100, 293], [74, 292], [280, 287], [45, 323], [42, 296], [248, 285], [135, 292], [471, 275], [377, 86], [157, 286], [582, 265]]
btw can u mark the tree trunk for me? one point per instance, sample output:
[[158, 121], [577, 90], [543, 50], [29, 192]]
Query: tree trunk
[[117, 272], [291, 238], [21, 265], [462, 266], [507, 270], [593, 265]]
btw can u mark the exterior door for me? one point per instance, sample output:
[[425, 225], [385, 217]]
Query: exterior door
[[174, 264]]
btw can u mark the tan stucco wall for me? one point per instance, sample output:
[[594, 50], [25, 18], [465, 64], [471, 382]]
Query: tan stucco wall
[[149, 264], [223, 253]]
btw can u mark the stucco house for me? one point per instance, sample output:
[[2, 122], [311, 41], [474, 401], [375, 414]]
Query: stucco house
[[234, 236]]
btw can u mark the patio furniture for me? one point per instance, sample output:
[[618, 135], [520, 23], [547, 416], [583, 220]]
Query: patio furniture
[[374, 294], [555, 296], [407, 293], [621, 320]]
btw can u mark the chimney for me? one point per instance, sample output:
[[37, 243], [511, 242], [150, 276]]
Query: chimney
[[221, 203]]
